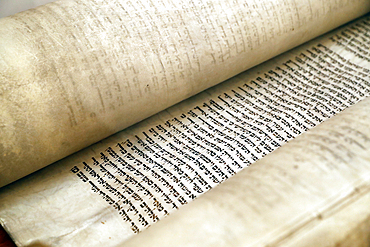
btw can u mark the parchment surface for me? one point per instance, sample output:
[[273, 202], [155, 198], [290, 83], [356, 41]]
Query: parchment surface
[[314, 191], [74, 72], [120, 186]]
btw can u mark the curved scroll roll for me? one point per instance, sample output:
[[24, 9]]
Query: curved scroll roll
[[74, 72]]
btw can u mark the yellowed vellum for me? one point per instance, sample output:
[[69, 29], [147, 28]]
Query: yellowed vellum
[[74, 72], [314, 191]]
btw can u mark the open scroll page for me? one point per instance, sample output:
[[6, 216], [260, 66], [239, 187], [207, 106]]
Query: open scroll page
[[74, 72], [126, 183], [314, 191]]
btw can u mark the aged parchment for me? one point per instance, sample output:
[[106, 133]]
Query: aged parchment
[[118, 187], [74, 72], [314, 191]]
